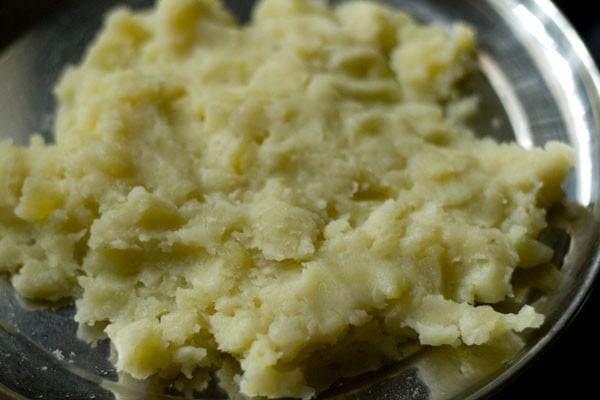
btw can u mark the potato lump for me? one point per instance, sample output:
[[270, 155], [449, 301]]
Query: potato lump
[[299, 196]]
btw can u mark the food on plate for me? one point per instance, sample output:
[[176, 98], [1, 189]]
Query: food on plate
[[299, 196]]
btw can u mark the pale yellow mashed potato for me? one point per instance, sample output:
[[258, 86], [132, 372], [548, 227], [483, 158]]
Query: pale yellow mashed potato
[[299, 195]]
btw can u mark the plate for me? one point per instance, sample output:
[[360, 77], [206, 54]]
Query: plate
[[538, 84]]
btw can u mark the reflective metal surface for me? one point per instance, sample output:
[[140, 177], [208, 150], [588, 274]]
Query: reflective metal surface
[[539, 84]]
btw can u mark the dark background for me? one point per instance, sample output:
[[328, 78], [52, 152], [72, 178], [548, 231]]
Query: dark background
[[569, 369]]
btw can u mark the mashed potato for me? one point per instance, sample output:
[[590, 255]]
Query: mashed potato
[[299, 196]]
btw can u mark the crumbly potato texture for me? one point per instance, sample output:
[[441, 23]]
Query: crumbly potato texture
[[299, 195]]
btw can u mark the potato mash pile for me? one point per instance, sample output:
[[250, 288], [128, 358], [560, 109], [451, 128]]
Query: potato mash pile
[[300, 195]]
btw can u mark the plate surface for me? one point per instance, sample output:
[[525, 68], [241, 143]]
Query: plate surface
[[539, 84]]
